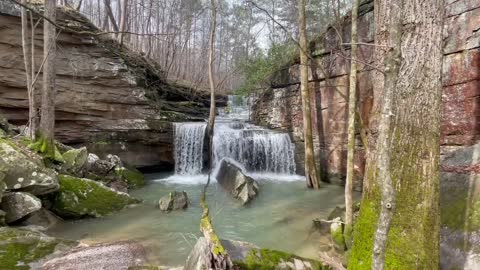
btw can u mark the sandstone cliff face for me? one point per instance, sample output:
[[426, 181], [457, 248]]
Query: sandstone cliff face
[[280, 107], [108, 98]]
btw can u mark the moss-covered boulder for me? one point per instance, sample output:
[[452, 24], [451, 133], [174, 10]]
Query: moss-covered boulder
[[24, 170], [81, 197], [21, 246], [246, 256], [132, 177], [75, 160], [18, 205]]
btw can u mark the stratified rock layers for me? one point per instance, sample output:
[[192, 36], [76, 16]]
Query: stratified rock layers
[[108, 98]]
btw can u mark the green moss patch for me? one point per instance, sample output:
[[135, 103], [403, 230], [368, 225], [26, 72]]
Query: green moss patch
[[79, 197], [267, 259], [19, 247], [132, 177]]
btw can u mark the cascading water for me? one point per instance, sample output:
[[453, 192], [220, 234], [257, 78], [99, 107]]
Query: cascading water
[[259, 150], [189, 139]]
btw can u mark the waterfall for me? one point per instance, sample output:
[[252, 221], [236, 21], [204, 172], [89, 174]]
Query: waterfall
[[188, 154], [258, 150]]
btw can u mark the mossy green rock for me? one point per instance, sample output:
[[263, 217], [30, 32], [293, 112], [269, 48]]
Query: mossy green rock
[[25, 170], [19, 247], [132, 177], [81, 197], [336, 231], [75, 159], [246, 256]]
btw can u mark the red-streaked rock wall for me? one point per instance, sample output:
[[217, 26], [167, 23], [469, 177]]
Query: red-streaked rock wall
[[280, 107]]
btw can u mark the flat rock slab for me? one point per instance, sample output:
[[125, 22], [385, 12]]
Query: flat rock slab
[[115, 256]]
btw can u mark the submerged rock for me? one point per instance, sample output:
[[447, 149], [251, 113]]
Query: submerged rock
[[79, 197], [25, 171], [21, 246], [232, 179], [173, 201], [247, 256], [114, 256], [18, 205]]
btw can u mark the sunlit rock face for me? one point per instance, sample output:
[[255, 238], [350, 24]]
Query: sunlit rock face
[[112, 101], [280, 107]]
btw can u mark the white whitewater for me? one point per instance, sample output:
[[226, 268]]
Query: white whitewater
[[189, 140], [262, 153]]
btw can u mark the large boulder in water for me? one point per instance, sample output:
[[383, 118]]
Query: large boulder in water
[[18, 205], [25, 171], [232, 179], [173, 201], [80, 197], [248, 256]]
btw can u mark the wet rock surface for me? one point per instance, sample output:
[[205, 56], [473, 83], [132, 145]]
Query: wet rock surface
[[231, 177], [173, 201], [115, 256]]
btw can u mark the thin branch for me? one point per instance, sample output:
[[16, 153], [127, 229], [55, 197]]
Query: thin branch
[[70, 29]]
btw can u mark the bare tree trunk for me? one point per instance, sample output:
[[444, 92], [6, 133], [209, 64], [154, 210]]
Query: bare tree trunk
[[47, 120], [123, 20], [217, 257], [398, 227], [311, 172], [27, 58], [352, 106], [108, 9]]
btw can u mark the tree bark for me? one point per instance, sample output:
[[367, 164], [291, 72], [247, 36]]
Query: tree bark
[[27, 57], [311, 172], [398, 227], [217, 257], [352, 108], [123, 20], [108, 9], [47, 120]]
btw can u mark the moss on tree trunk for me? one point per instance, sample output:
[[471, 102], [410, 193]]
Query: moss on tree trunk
[[413, 130]]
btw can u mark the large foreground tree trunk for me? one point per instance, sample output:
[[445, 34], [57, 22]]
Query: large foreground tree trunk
[[311, 172], [398, 227], [47, 120]]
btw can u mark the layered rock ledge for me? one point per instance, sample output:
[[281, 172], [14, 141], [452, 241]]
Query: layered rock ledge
[[109, 99]]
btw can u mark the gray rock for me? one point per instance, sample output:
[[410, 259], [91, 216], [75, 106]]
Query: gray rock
[[18, 205], [173, 201], [43, 218], [25, 172], [237, 250], [242, 252], [114, 256], [239, 185]]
